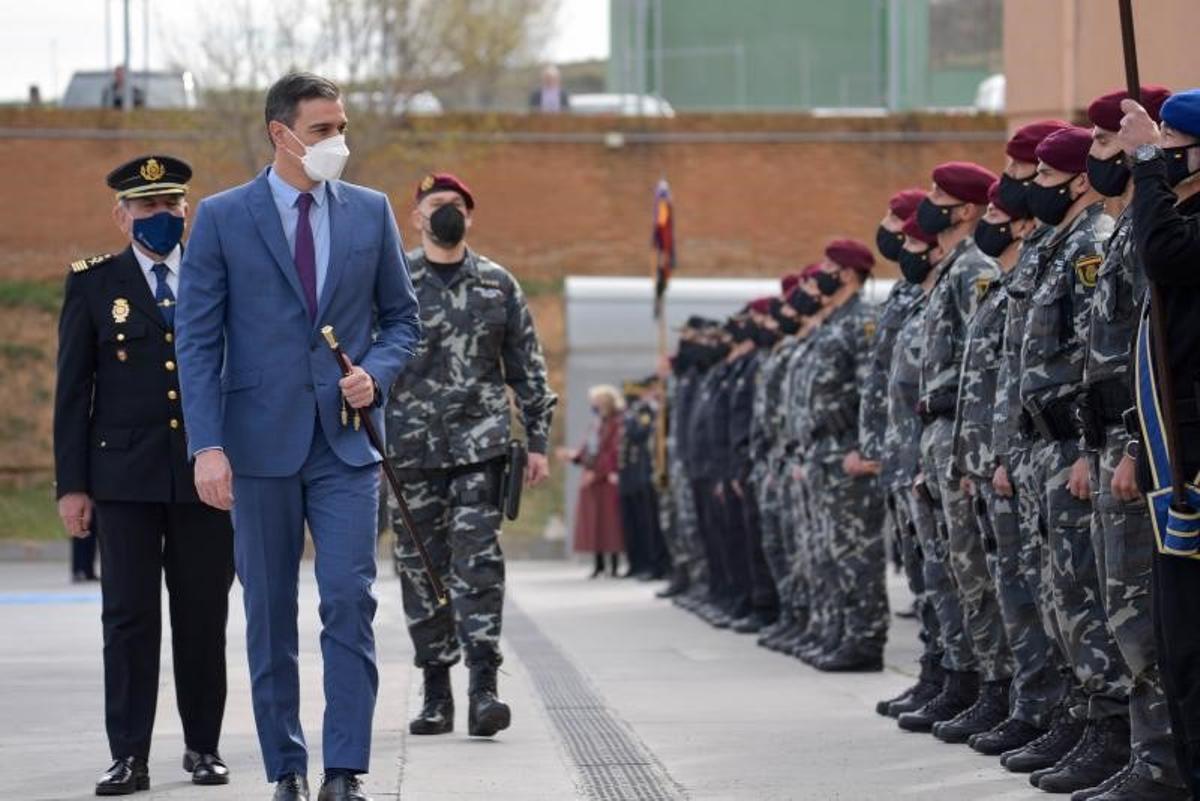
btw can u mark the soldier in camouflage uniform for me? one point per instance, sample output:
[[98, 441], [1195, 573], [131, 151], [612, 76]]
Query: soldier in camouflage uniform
[[1122, 536], [447, 432], [849, 503], [874, 446], [1037, 686], [1052, 357], [955, 204]]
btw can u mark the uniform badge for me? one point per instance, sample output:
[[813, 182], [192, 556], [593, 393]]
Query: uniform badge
[[122, 355], [120, 310], [982, 284], [427, 183], [869, 328], [152, 170], [1086, 270], [645, 418]]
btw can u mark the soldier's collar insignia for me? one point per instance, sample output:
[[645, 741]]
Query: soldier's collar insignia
[[152, 170], [869, 328], [120, 310], [982, 284], [1086, 269]]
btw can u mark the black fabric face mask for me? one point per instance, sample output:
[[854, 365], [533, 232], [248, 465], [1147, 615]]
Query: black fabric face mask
[[1109, 177], [1177, 163], [763, 337], [1014, 195], [889, 243], [740, 330], [448, 225], [915, 267], [787, 325], [933, 218], [828, 283], [993, 238], [804, 304], [1050, 203]]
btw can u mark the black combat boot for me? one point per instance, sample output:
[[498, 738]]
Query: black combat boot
[[487, 713], [1046, 750], [1134, 784], [678, 586], [437, 715], [929, 684], [856, 657], [1010, 735], [1085, 742], [988, 711], [1108, 753], [1109, 783], [959, 691]]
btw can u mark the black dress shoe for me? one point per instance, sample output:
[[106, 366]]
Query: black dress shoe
[[126, 776], [342, 787], [205, 768], [292, 787]]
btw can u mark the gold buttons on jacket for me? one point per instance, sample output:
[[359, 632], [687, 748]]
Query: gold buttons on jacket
[[170, 365], [174, 423], [120, 337], [169, 337], [172, 395]]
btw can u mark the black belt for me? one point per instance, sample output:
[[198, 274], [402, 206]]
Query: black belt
[[1108, 400], [1054, 422]]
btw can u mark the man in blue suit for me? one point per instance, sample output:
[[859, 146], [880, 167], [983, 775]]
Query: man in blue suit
[[270, 420]]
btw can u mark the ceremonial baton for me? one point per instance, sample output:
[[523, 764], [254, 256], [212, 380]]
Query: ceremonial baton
[[345, 365], [1158, 320]]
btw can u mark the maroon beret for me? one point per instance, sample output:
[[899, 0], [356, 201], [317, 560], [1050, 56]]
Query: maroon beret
[[1066, 149], [850, 254], [904, 203], [964, 180], [760, 305], [1023, 144], [913, 229], [444, 182], [1105, 111], [789, 281], [995, 199]]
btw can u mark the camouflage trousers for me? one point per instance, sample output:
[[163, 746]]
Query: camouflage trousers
[[459, 524], [852, 513], [939, 584], [814, 568], [913, 561], [1124, 544], [777, 549], [1038, 685], [1071, 586], [790, 522], [968, 564], [684, 542]]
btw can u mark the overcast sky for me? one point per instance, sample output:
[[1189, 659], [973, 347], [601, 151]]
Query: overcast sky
[[44, 41]]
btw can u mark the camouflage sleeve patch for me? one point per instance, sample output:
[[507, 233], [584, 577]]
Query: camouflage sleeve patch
[[869, 329], [1086, 269], [83, 265], [982, 284]]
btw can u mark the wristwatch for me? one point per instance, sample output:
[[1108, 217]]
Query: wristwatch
[[1132, 448], [1147, 152]]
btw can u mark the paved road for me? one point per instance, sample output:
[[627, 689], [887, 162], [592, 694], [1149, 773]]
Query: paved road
[[616, 696]]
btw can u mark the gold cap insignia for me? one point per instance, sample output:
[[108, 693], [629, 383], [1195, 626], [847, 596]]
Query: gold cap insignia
[[427, 183], [120, 310], [1086, 270], [152, 170]]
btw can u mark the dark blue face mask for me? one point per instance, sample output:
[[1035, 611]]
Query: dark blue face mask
[[159, 233]]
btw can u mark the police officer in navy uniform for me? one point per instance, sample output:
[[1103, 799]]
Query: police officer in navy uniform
[[121, 459]]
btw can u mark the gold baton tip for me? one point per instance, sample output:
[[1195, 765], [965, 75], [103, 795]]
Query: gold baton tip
[[327, 332]]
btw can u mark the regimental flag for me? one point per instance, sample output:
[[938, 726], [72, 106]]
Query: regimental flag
[[664, 243]]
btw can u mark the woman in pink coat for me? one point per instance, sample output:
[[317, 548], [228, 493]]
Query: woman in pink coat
[[598, 513]]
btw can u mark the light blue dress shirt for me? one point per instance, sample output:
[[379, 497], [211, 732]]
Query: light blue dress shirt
[[287, 198]]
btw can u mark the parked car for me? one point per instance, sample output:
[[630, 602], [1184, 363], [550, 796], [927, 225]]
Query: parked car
[[416, 103], [621, 105], [154, 89]]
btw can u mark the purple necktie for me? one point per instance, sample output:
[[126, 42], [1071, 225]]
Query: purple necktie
[[306, 255]]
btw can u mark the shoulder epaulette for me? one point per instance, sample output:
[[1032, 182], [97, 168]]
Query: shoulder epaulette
[[83, 265]]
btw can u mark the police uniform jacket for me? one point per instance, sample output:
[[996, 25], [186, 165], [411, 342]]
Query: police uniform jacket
[[119, 433]]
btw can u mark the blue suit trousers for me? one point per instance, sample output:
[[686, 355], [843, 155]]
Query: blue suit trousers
[[339, 503]]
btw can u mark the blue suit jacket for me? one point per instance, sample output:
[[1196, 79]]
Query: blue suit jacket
[[254, 371]]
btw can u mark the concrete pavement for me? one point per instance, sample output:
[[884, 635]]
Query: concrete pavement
[[615, 696]]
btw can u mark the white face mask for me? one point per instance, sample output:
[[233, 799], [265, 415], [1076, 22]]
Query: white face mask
[[325, 160]]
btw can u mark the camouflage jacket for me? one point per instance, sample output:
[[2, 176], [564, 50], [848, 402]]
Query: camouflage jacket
[[973, 455], [450, 406], [840, 358], [635, 455], [1116, 308], [964, 275], [767, 436], [1024, 278], [698, 451], [872, 408], [902, 438], [1056, 326], [797, 408]]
